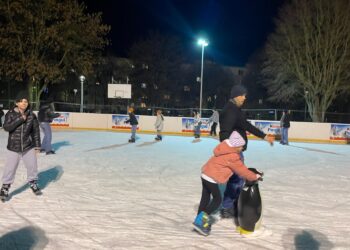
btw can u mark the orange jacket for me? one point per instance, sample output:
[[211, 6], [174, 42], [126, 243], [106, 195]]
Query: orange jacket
[[224, 163]]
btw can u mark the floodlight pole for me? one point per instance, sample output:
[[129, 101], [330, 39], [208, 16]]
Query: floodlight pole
[[203, 43], [82, 79]]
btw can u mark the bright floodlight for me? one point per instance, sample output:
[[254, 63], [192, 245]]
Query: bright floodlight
[[82, 78], [203, 42]]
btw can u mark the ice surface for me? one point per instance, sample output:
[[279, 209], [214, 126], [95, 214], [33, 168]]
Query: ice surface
[[101, 192]]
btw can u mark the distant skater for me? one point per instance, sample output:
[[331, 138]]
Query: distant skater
[[197, 123], [133, 122], [159, 125], [215, 120], [285, 125], [46, 115]]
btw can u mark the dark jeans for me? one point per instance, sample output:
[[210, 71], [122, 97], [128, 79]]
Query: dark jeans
[[284, 135], [209, 188], [197, 130], [233, 189], [46, 143], [213, 129]]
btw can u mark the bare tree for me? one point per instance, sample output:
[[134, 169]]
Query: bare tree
[[309, 54]]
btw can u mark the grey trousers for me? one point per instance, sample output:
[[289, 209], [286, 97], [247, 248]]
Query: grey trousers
[[133, 131], [12, 162]]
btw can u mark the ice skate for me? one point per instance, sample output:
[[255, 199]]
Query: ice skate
[[201, 224], [132, 140], [4, 192], [227, 213], [35, 188]]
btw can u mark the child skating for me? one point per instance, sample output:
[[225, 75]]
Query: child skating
[[218, 170], [159, 125], [133, 122]]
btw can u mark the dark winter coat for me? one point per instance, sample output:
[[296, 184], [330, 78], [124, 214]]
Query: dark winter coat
[[46, 113], [232, 118], [285, 120], [132, 119], [23, 134]]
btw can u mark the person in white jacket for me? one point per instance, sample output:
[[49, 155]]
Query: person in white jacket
[[159, 125]]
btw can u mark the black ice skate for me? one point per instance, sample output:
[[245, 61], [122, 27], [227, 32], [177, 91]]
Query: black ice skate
[[4, 192], [35, 188], [132, 140]]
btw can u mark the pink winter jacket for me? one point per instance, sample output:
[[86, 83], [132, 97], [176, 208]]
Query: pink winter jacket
[[224, 163]]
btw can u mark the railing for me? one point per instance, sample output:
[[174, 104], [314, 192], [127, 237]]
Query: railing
[[253, 114]]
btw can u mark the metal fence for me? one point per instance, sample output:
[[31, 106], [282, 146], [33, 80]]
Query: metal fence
[[253, 114]]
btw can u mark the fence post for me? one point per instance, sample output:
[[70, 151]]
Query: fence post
[[275, 114]]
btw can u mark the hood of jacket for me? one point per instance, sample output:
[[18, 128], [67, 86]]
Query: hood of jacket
[[224, 149]]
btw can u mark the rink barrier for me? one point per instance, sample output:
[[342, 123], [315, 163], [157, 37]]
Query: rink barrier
[[298, 132]]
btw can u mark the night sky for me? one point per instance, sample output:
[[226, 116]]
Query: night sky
[[235, 28]]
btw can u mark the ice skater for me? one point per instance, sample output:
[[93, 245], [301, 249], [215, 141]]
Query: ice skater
[[159, 125], [23, 143], [285, 125], [197, 123], [133, 122], [46, 115], [233, 119], [215, 120], [217, 170]]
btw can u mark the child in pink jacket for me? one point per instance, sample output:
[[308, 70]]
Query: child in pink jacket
[[218, 170]]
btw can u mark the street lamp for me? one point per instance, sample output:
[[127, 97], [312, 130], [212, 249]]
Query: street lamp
[[82, 79], [202, 42]]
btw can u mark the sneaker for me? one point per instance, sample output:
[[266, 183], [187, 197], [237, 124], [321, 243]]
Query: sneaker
[[35, 188], [4, 192], [51, 152], [227, 213], [201, 224]]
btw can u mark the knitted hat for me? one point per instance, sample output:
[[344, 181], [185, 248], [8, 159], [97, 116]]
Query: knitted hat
[[22, 95], [236, 140], [238, 90]]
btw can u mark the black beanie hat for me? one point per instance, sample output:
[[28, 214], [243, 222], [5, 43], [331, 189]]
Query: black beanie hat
[[22, 95], [238, 90]]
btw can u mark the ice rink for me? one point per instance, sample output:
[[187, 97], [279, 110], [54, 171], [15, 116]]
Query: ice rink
[[100, 192]]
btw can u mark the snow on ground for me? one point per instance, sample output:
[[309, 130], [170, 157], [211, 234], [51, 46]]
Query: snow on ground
[[101, 192]]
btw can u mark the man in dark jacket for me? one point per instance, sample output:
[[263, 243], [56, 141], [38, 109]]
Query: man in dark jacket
[[46, 115], [23, 142], [233, 119], [285, 125]]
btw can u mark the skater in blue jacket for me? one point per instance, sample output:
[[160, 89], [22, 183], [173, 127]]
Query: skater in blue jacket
[[133, 122]]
